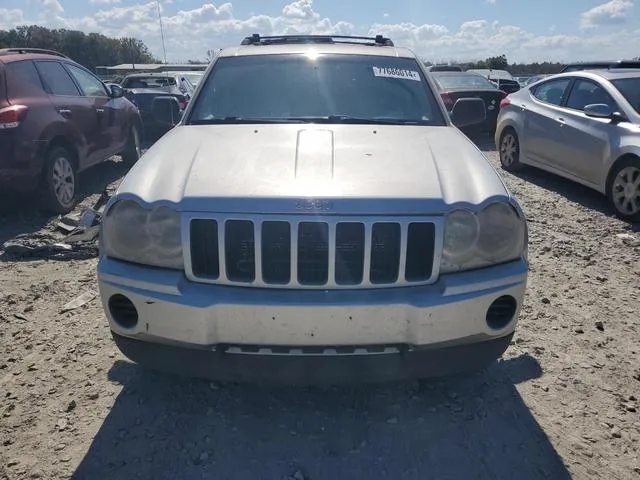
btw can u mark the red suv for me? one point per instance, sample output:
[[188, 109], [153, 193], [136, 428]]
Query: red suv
[[57, 119]]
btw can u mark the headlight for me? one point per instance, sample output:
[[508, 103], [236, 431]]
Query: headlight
[[150, 237], [494, 235]]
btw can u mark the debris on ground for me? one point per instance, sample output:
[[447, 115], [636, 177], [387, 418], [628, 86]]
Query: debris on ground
[[80, 236], [79, 301]]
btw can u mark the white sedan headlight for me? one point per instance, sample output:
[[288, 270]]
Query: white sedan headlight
[[496, 234], [152, 237]]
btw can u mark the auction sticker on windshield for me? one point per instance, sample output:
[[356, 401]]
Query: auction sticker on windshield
[[396, 73]]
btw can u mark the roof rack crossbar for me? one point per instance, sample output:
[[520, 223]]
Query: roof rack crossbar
[[256, 39], [9, 51]]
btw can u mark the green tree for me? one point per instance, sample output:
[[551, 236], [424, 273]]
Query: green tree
[[497, 63], [90, 50]]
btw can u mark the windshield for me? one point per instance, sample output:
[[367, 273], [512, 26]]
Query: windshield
[[326, 88], [463, 81], [148, 82], [630, 90]]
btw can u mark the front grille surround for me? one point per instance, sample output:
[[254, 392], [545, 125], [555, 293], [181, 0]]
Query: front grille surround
[[335, 280]]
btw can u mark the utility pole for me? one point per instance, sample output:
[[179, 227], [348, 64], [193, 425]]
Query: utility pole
[[132, 53], [164, 50]]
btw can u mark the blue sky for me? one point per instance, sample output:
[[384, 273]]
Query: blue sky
[[435, 29]]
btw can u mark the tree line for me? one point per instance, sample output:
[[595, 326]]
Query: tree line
[[94, 49], [501, 63], [88, 49]]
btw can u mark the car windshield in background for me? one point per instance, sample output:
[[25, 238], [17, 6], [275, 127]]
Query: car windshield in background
[[192, 78], [149, 82], [630, 90], [325, 88], [493, 74], [462, 81]]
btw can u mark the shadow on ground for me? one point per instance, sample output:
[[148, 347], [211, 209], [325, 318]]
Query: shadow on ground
[[459, 428], [572, 191], [22, 215]]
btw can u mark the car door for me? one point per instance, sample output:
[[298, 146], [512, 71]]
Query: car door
[[542, 137], [586, 140], [108, 137], [77, 117]]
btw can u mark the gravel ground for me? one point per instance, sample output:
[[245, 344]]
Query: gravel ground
[[563, 403]]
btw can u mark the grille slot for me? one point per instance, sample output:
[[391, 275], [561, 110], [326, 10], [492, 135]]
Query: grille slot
[[349, 253], [204, 249], [420, 245], [385, 253], [276, 252], [240, 255], [313, 252]]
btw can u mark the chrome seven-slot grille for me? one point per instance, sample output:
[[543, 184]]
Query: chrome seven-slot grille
[[312, 253]]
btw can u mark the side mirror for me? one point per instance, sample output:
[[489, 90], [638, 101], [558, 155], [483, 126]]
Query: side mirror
[[166, 110], [602, 110], [468, 111], [598, 110], [116, 91]]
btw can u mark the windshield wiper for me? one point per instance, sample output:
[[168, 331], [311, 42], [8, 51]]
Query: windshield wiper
[[240, 120], [359, 120], [326, 119]]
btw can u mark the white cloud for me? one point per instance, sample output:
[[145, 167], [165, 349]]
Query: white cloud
[[102, 2], [189, 33], [610, 13], [11, 17]]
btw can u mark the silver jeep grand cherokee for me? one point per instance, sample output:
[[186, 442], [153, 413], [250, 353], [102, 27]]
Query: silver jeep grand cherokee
[[315, 216]]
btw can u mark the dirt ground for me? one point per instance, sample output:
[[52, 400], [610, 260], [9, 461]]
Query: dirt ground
[[563, 403]]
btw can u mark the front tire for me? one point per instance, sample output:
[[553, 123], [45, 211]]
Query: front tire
[[623, 189], [510, 151], [132, 151], [60, 182]]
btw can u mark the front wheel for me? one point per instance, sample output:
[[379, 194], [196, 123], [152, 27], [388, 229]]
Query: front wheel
[[624, 189], [132, 151], [510, 151], [60, 183]]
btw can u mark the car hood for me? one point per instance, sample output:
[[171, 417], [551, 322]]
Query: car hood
[[270, 168]]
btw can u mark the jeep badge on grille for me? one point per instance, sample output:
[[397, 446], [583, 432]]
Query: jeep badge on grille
[[310, 205]]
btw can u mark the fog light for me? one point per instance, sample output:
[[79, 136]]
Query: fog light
[[501, 312], [123, 311]]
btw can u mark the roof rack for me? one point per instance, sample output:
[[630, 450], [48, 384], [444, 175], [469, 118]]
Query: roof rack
[[9, 51], [256, 39], [625, 64]]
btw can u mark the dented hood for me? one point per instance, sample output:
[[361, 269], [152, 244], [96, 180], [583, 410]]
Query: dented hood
[[270, 168]]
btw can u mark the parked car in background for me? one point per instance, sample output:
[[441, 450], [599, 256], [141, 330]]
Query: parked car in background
[[600, 65], [190, 80], [503, 79], [314, 217], [455, 85], [56, 120], [584, 126], [143, 88], [444, 68], [521, 79], [533, 79]]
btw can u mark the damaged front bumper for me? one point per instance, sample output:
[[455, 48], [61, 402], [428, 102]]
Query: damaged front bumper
[[164, 321]]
